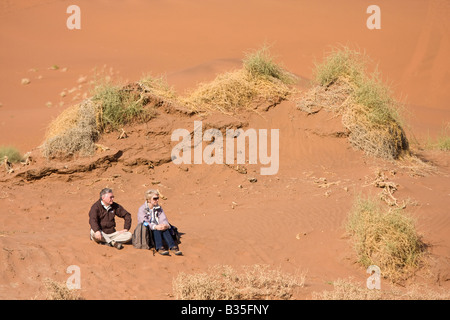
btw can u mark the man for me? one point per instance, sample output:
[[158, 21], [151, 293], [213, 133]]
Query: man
[[103, 224]]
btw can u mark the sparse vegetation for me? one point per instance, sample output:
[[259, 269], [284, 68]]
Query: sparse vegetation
[[224, 283], [59, 291], [75, 130], [340, 64], [12, 153], [444, 143], [118, 107], [351, 290], [112, 106], [386, 238], [78, 128], [347, 290], [260, 63], [260, 80], [235, 91], [369, 111], [158, 86], [443, 140]]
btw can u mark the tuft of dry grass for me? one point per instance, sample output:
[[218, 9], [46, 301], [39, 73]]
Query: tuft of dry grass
[[12, 153], [158, 86], [260, 63], [350, 290], [74, 130], [78, 127], [261, 80], [236, 91], [224, 283], [119, 105], [368, 110], [443, 140], [340, 63], [385, 139], [386, 238], [59, 291], [347, 290]]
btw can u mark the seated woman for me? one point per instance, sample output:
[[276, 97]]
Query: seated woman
[[150, 213]]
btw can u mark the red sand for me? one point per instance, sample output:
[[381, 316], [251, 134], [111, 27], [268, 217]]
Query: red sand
[[44, 224]]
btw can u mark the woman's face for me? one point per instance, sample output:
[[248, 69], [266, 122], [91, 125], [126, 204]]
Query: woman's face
[[153, 200]]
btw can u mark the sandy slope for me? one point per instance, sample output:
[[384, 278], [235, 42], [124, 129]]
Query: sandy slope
[[44, 224]]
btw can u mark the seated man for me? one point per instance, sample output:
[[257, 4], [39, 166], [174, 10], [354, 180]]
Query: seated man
[[102, 221]]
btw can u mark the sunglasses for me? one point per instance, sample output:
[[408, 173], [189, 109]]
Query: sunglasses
[[155, 198]]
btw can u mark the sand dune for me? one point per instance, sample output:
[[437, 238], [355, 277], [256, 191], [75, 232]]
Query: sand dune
[[292, 220]]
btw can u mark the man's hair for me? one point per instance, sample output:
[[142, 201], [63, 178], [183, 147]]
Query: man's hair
[[105, 191], [150, 193]]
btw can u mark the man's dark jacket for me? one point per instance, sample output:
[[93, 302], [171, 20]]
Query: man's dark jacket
[[103, 220]]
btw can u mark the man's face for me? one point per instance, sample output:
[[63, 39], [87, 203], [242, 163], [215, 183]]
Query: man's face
[[108, 199]]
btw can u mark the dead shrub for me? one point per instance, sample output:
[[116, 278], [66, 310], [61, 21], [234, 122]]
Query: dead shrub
[[75, 130], [224, 283], [260, 81], [236, 91], [351, 290], [383, 140], [386, 238], [59, 291], [347, 290], [368, 110]]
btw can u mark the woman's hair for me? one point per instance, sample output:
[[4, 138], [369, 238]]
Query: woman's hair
[[150, 193]]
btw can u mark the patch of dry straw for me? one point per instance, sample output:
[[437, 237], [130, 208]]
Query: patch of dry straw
[[225, 283], [74, 130], [386, 238], [236, 91], [384, 139]]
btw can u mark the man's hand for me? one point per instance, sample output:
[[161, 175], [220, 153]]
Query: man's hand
[[122, 231], [98, 235]]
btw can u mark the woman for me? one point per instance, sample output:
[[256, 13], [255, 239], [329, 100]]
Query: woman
[[151, 214]]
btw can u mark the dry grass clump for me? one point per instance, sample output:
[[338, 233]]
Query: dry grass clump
[[235, 91], [75, 130], [340, 64], [385, 138], [347, 290], [260, 63], [350, 290], [368, 110], [224, 283], [119, 106], [444, 143], [59, 291], [387, 239], [111, 106], [158, 86], [11, 152], [260, 80], [443, 140]]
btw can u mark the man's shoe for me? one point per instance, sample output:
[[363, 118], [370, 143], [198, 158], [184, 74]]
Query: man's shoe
[[163, 252], [176, 251], [117, 245]]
